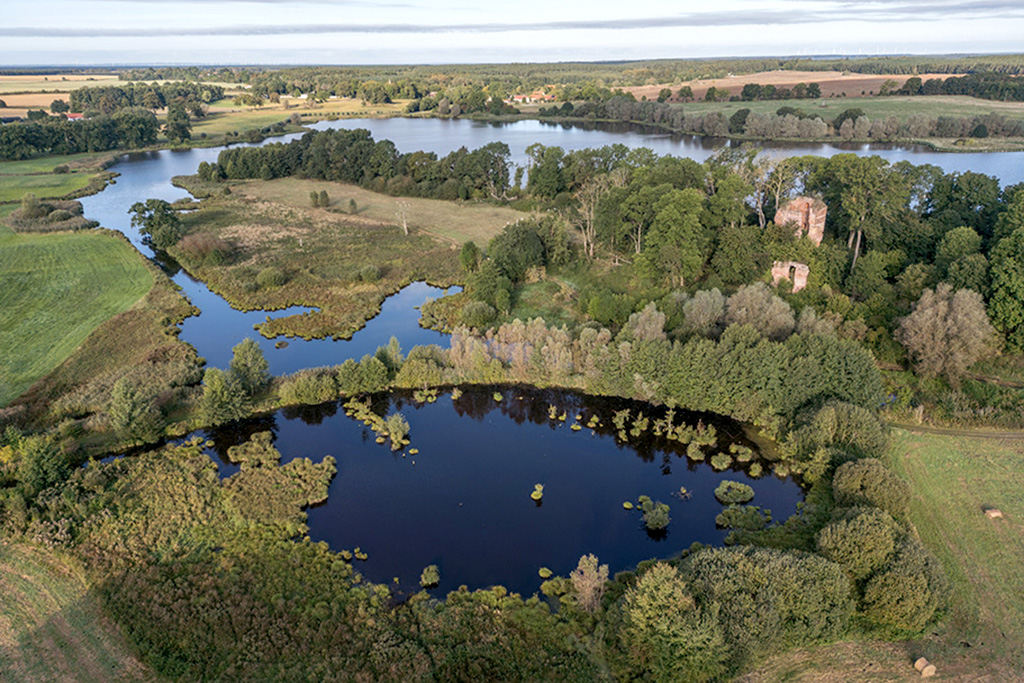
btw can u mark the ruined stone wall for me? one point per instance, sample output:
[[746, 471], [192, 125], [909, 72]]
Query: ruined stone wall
[[806, 214], [790, 270]]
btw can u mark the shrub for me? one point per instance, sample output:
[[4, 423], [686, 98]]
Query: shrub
[[369, 273], [31, 207], [478, 314], [224, 399], [869, 482], [905, 595], [270, 277], [249, 366], [205, 249], [131, 415], [743, 518], [861, 542], [771, 599], [656, 514], [430, 576], [310, 387], [61, 169], [733, 492], [58, 216], [755, 305], [667, 634]]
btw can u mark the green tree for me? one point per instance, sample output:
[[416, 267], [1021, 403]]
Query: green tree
[[224, 398], [677, 243], [947, 332], [158, 221], [861, 542], [469, 257], [667, 634], [869, 482], [59, 106], [664, 95], [1007, 303], [41, 465], [588, 582], [178, 127], [132, 415], [249, 366], [325, 201]]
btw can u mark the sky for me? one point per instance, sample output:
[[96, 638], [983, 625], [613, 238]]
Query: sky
[[103, 32]]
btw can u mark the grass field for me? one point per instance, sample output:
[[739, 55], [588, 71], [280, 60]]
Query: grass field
[[953, 479], [51, 628], [36, 175], [453, 221], [56, 289], [225, 117], [873, 107]]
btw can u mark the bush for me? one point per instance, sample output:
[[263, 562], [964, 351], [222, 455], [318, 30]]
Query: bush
[[869, 482], [733, 493], [249, 366], [205, 249], [771, 599], [60, 170], [905, 595], [862, 541], [270, 277], [430, 576], [665, 632], [224, 398], [656, 514], [59, 216], [310, 387], [369, 273], [743, 518], [478, 314]]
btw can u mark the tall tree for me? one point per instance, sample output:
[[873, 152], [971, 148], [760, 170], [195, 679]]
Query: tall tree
[[179, 125]]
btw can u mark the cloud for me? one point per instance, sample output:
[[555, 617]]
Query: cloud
[[816, 13]]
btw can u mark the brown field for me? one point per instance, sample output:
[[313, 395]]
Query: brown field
[[18, 105], [37, 83], [833, 83]]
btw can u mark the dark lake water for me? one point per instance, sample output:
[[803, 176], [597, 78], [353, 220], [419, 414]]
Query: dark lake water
[[463, 502]]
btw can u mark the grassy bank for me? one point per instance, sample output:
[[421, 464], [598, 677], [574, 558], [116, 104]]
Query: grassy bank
[[51, 628], [56, 290], [84, 176], [954, 478], [344, 264]]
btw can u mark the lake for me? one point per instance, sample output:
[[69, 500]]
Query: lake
[[463, 501]]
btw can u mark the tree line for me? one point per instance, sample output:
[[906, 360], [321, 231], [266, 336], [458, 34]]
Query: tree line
[[110, 99], [129, 128]]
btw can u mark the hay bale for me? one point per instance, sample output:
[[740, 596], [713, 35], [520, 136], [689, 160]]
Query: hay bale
[[928, 671], [994, 513], [921, 663]]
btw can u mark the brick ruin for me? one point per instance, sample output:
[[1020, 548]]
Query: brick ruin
[[790, 270], [807, 214]]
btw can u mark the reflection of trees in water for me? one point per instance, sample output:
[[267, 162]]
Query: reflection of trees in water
[[237, 433], [311, 415]]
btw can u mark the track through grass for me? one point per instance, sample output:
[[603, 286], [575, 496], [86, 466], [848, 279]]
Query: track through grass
[[51, 628]]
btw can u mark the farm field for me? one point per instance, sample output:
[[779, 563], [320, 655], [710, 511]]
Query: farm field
[[51, 628], [832, 83], [37, 176], [225, 117], [53, 82], [56, 290], [873, 107]]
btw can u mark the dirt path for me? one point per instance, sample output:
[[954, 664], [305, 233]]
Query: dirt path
[[969, 433]]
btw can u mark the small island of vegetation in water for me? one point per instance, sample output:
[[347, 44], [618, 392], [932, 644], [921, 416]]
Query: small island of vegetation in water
[[809, 299]]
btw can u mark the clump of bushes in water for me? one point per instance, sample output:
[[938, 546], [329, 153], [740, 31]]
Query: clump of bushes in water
[[743, 518], [394, 427], [430, 576], [730, 492], [656, 513]]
